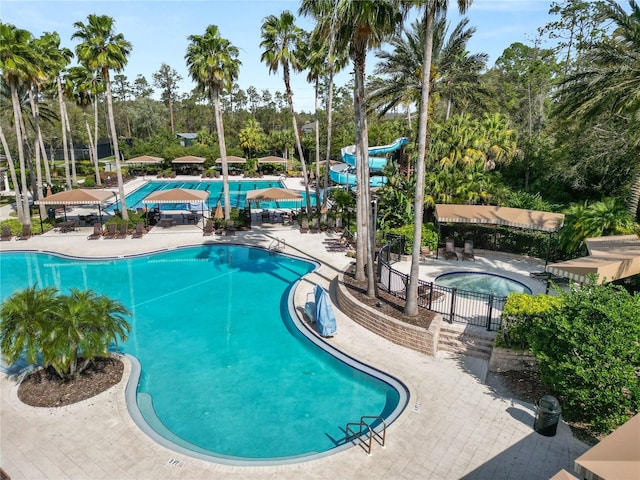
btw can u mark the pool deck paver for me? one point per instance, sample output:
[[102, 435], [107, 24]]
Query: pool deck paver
[[455, 425]]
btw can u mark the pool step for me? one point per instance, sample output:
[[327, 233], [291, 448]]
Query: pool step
[[475, 342]]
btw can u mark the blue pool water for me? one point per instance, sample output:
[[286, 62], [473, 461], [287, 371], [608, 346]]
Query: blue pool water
[[481, 282], [237, 195], [224, 370]]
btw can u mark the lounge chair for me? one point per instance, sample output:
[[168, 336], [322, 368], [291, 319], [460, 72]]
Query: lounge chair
[[6, 233], [450, 249], [123, 230], [140, 231], [425, 253], [25, 234], [97, 232], [111, 231], [208, 229], [265, 217], [468, 250], [231, 228]]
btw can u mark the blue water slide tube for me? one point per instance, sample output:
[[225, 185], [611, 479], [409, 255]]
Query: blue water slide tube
[[344, 173]]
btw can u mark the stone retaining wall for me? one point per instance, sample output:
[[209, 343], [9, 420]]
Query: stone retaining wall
[[504, 360], [410, 336]]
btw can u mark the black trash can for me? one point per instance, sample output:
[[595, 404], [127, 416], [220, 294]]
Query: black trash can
[[51, 213], [547, 416]]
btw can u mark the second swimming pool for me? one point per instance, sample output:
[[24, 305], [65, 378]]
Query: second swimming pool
[[225, 373], [237, 194]]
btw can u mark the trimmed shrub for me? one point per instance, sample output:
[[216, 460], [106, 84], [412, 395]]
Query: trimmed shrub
[[588, 352], [429, 236], [518, 318]]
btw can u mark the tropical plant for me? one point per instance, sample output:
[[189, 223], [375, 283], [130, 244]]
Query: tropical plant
[[594, 219], [213, 64], [283, 46], [587, 352], [86, 326], [18, 65], [100, 50], [252, 138]]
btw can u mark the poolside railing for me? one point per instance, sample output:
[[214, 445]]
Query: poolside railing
[[454, 304]]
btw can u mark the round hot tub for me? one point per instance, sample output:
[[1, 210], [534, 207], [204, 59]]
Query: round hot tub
[[481, 282]]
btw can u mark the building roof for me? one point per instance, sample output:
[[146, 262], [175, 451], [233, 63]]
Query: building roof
[[188, 136]]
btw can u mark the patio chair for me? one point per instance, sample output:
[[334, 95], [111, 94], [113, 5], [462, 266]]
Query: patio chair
[[231, 227], [97, 232], [208, 229], [468, 250], [111, 231], [123, 230], [450, 249], [6, 233], [140, 231], [265, 217]]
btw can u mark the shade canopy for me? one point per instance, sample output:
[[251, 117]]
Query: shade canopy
[[611, 258], [273, 159], [177, 195], [272, 194], [145, 159], [505, 216], [188, 159], [616, 456], [80, 196], [232, 159]]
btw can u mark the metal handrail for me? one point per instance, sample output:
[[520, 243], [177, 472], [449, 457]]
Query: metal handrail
[[371, 433]]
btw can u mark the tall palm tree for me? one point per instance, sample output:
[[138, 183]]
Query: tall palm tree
[[455, 73], [362, 26], [79, 86], [213, 64], [282, 44], [332, 62], [18, 64], [101, 50], [430, 9]]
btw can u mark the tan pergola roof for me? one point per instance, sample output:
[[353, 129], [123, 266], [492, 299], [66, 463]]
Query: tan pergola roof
[[494, 215], [273, 159], [611, 258], [80, 196], [232, 159], [177, 195], [616, 456], [144, 159], [272, 194], [188, 159]]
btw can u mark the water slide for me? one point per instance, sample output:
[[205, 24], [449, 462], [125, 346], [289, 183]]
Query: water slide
[[345, 173]]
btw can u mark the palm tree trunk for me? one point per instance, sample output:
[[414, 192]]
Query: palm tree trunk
[[40, 139], [114, 139], [287, 85], [12, 172], [95, 136], [223, 153], [17, 118], [38, 190], [362, 233], [65, 152], [72, 151], [317, 128], [634, 197], [173, 128], [411, 304], [329, 129], [92, 156]]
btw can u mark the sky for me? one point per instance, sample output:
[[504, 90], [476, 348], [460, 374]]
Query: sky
[[158, 32]]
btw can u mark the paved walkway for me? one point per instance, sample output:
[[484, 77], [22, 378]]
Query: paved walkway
[[455, 425]]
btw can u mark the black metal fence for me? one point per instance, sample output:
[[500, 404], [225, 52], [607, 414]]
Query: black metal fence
[[454, 304]]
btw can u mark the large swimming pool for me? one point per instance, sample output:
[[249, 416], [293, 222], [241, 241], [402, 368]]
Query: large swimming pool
[[225, 372], [237, 195]]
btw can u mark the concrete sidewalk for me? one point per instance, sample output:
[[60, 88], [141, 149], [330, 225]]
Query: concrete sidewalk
[[454, 427]]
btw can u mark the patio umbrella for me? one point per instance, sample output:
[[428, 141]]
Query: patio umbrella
[[79, 196], [219, 214], [144, 159]]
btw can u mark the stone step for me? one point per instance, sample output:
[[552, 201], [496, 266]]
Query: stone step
[[476, 343]]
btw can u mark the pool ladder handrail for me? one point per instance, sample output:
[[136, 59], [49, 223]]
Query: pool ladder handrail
[[277, 244], [370, 433]]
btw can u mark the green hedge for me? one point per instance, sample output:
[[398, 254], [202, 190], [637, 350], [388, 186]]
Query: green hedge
[[518, 318], [429, 236]]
